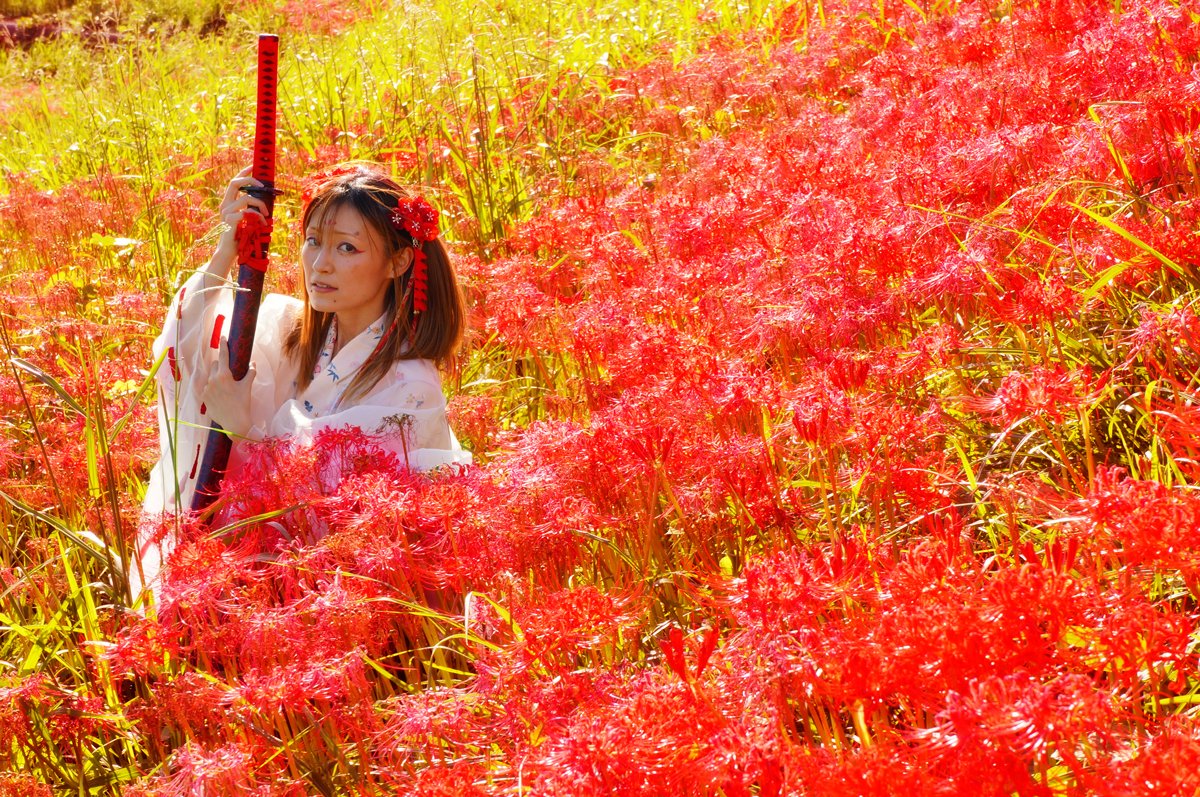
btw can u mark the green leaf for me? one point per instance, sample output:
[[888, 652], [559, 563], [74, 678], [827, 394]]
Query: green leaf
[[1108, 275], [1128, 236], [100, 554], [50, 382]]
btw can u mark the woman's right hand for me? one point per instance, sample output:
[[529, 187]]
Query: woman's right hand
[[235, 204], [197, 296]]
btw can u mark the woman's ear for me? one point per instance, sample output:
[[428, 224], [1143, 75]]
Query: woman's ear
[[401, 261]]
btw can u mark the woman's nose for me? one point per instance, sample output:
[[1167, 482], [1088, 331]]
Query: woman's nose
[[321, 260]]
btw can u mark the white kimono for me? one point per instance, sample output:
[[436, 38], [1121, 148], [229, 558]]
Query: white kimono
[[405, 410]]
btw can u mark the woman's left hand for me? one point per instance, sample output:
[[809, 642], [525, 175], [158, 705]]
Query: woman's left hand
[[226, 399]]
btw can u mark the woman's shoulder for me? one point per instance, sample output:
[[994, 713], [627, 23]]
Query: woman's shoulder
[[278, 313], [408, 383], [417, 370], [280, 305], [277, 316]]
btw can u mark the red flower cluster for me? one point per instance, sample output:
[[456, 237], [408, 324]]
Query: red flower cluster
[[417, 218]]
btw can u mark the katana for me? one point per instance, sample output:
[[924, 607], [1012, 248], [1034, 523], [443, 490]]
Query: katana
[[254, 244]]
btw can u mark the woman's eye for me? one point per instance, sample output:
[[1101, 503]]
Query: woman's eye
[[310, 241], [347, 247]]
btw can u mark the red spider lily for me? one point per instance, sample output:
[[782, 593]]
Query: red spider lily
[[1143, 522], [191, 703], [226, 768], [655, 738], [1165, 762], [14, 784], [1038, 392]]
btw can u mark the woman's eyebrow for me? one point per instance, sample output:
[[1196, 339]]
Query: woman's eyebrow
[[347, 233]]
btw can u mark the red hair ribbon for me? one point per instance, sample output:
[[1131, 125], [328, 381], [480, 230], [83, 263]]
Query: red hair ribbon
[[420, 281], [419, 219]]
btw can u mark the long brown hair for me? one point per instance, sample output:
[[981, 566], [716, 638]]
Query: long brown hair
[[433, 335]]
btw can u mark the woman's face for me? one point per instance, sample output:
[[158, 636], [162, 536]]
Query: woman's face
[[346, 269]]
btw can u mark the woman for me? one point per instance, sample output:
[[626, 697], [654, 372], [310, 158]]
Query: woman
[[380, 310]]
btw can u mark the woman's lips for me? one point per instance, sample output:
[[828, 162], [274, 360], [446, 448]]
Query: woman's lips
[[320, 287]]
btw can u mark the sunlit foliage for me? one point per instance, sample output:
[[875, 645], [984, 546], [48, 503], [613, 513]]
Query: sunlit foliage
[[832, 383]]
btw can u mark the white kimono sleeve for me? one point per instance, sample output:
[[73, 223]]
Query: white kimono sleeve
[[185, 347], [186, 341]]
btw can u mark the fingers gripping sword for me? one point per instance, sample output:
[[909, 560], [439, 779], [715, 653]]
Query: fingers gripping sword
[[254, 243]]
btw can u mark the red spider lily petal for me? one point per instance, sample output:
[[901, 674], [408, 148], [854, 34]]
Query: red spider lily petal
[[1165, 763], [707, 647], [192, 701], [672, 648], [23, 785]]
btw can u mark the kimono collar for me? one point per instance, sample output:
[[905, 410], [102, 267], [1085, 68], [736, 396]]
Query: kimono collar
[[333, 373], [369, 336]]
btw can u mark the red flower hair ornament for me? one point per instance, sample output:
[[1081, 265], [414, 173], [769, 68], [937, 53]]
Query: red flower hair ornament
[[419, 220]]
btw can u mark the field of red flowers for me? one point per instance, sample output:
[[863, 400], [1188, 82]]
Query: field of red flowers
[[832, 382]]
